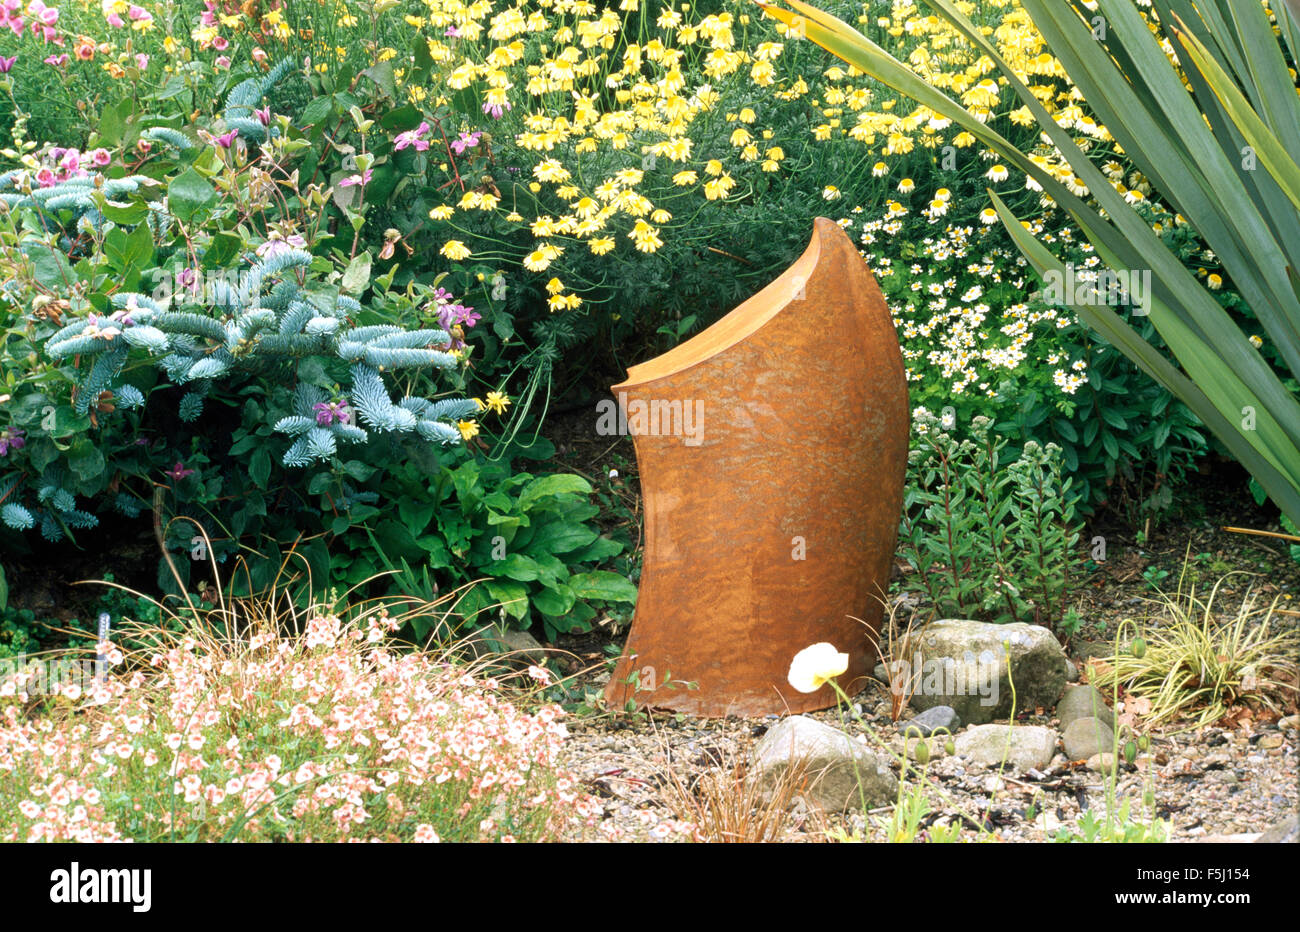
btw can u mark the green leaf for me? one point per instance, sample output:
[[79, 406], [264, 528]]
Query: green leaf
[[222, 250], [600, 548], [1065, 429], [558, 484], [516, 566], [358, 470], [1110, 444], [316, 111], [560, 537], [259, 467], [602, 584], [513, 597], [190, 195], [382, 75], [395, 540], [357, 276], [50, 266], [555, 601], [128, 214], [111, 125]]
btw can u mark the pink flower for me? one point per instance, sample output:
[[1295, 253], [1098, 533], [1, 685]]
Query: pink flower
[[220, 43], [43, 20], [100, 157], [222, 62], [357, 180], [7, 63], [141, 60], [46, 16], [466, 141], [9, 16], [58, 61], [225, 140], [414, 138], [331, 412], [178, 471]]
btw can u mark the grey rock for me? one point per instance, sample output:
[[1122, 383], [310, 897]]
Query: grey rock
[[1071, 671], [1025, 747], [1286, 832], [1086, 650], [518, 648], [1084, 702], [931, 720], [1102, 763], [835, 763], [1087, 736], [964, 665]]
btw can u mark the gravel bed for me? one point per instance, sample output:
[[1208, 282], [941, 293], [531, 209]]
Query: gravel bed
[[1212, 784]]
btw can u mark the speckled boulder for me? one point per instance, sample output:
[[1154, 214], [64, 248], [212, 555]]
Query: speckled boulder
[[970, 666]]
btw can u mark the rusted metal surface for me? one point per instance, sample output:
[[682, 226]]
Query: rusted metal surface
[[772, 508]]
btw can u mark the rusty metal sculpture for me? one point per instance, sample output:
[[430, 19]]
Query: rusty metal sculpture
[[772, 449]]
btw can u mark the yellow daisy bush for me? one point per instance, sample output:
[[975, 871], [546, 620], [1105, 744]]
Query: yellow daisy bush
[[632, 138]]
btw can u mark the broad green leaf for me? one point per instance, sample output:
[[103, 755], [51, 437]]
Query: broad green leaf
[[602, 584], [190, 195], [558, 484], [559, 537], [513, 597], [555, 601], [259, 467], [515, 566], [357, 276]]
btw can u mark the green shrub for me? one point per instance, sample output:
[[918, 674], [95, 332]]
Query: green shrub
[[987, 538], [531, 538], [205, 357]]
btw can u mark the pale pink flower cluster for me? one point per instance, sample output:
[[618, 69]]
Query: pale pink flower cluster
[[41, 19], [60, 164], [325, 736]]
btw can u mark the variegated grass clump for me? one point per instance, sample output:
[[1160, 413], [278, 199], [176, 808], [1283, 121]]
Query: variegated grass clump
[[1194, 664]]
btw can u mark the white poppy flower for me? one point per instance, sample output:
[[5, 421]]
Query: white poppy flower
[[813, 666]]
